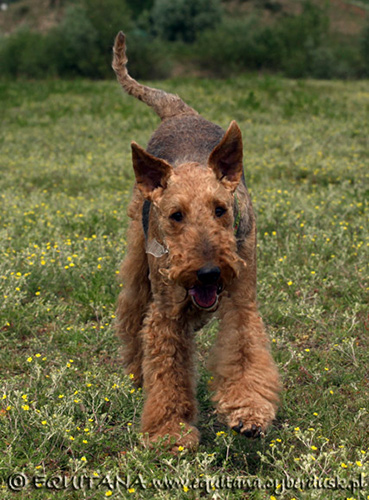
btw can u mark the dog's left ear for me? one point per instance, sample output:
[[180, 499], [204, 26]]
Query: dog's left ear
[[226, 157]]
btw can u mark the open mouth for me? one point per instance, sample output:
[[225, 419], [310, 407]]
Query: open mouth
[[205, 296]]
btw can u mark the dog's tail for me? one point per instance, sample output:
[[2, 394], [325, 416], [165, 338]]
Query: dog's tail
[[164, 104]]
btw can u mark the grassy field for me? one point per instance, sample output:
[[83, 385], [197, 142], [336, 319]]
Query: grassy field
[[69, 418]]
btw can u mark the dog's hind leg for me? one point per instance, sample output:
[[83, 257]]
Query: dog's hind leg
[[133, 300]]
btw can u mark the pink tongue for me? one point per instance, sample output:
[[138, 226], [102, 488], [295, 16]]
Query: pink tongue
[[205, 296]]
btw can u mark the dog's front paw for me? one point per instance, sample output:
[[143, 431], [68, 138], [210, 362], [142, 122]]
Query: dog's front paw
[[250, 431], [251, 422], [176, 438]]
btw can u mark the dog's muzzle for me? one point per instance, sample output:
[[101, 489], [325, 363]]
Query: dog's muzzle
[[205, 295]]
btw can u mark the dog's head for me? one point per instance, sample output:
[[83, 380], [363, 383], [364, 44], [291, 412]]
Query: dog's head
[[193, 216]]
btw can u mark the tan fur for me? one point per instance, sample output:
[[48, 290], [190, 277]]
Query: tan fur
[[192, 174]]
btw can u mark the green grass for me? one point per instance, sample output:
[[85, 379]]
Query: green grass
[[65, 180]]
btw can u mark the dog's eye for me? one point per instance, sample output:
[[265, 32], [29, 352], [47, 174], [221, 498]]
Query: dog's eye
[[177, 216], [219, 211]]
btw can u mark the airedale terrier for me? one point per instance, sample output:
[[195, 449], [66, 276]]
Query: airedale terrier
[[191, 254]]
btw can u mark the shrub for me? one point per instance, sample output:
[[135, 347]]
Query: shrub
[[300, 37], [184, 19], [238, 45], [139, 6], [298, 46], [323, 62], [81, 45], [148, 58], [24, 54], [73, 44], [107, 18], [365, 49]]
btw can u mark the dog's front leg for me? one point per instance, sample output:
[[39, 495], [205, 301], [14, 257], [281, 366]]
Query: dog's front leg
[[169, 382], [246, 381]]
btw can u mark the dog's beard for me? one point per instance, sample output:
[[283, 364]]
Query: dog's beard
[[204, 297]]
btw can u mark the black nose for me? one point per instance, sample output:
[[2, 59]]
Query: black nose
[[208, 275]]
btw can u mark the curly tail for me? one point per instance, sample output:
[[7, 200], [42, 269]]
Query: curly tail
[[164, 104]]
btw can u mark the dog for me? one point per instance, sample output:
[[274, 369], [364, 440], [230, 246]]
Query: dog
[[191, 255]]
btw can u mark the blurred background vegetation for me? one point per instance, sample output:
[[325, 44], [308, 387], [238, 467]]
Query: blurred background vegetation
[[296, 38]]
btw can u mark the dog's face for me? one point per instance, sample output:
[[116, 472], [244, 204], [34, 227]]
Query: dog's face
[[194, 219]]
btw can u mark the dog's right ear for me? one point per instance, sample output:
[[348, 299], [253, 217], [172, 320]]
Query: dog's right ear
[[151, 173]]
